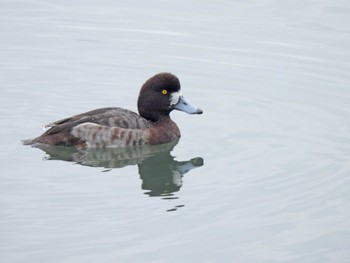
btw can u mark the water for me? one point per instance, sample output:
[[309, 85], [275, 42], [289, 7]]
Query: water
[[261, 176]]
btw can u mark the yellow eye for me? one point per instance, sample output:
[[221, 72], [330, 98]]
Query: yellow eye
[[164, 91]]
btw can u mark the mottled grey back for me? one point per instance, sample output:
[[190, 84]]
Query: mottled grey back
[[110, 117]]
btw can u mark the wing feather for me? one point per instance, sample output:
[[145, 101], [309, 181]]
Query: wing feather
[[110, 117]]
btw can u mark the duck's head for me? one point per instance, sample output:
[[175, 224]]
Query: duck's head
[[161, 94]]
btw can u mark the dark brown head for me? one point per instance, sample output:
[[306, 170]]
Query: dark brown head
[[160, 95]]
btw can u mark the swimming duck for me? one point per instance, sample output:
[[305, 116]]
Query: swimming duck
[[117, 127]]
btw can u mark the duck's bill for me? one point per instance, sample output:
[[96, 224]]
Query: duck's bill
[[185, 106]]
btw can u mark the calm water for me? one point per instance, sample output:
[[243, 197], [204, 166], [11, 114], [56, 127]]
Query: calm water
[[261, 176]]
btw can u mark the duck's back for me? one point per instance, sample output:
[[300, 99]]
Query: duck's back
[[111, 117], [92, 123]]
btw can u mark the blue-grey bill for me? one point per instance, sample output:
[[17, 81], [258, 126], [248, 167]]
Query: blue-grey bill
[[185, 106]]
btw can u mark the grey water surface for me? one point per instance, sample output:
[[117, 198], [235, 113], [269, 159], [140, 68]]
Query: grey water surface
[[262, 176]]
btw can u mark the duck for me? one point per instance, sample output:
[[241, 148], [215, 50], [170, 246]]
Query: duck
[[119, 127]]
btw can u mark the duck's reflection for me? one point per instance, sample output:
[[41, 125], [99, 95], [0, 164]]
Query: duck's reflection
[[161, 175]]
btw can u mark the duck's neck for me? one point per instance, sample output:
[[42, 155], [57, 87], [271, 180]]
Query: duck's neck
[[164, 130]]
